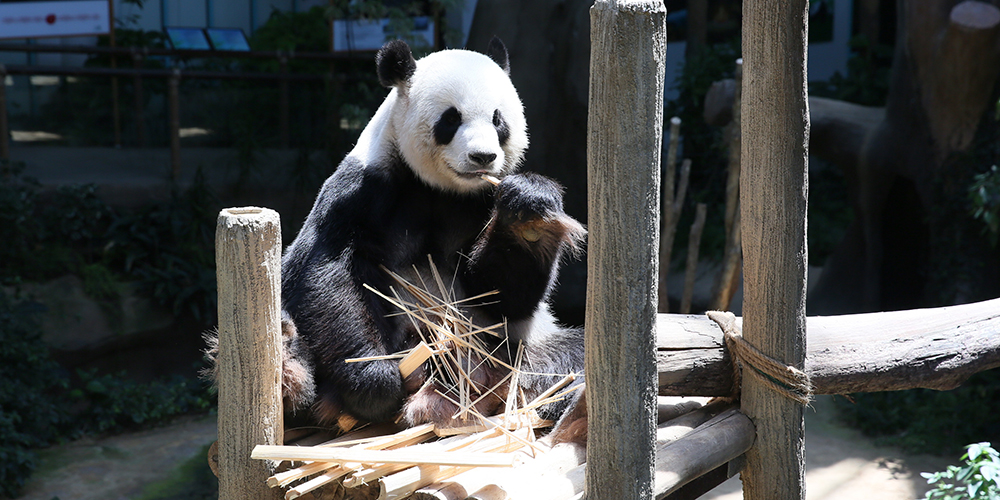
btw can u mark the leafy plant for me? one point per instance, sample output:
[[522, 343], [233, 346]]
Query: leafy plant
[[978, 479], [115, 402], [40, 404], [31, 415], [867, 79], [984, 195]]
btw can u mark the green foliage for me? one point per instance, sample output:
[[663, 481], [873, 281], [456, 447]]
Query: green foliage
[[978, 479], [927, 421], [41, 405], [46, 235], [31, 414], [299, 31], [867, 80], [168, 249], [115, 402], [984, 195]]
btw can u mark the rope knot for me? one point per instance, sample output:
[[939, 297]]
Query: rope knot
[[786, 380]]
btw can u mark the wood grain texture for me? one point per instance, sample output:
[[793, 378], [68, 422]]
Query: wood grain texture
[[935, 348], [710, 445], [773, 197], [625, 123], [248, 268]]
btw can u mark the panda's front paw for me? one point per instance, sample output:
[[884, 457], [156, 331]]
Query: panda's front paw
[[531, 207], [522, 198]]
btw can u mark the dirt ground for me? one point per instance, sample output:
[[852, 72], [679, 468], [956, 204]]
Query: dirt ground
[[841, 464]]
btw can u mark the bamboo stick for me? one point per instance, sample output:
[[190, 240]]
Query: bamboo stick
[[401, 456], [401, 484], [316, 482], [414, 359], [694, 243], [666, 242]]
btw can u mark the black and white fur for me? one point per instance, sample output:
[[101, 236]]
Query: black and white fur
[[411, 188]]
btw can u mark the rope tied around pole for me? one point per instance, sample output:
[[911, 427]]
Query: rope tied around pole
[[786, 380]]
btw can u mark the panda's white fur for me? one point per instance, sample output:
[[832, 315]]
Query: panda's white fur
[[475, 85]]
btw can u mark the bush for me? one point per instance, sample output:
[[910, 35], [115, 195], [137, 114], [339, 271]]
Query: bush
[[978, 479], [30, 382], [928, 421], [167, 249], [41, 405]]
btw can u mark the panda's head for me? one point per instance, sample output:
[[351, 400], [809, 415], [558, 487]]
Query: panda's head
[[457, 115]]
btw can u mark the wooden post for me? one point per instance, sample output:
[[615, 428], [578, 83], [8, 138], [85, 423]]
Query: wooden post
[[140, 113], [115, 109], [248, 262], [625, 124], [175, 125], [4, 127], [774, 192], [283, 101]]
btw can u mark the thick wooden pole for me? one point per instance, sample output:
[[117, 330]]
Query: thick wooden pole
[[625, 124], [4, 128], [774, 193], [175, 125], [248, 262]]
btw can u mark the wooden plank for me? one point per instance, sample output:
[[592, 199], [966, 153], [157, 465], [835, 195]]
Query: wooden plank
[[248, 264], [773, 199], [934, 348], [625, 125], [714, 443]]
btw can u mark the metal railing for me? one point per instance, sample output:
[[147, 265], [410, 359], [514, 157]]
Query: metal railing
[[173, 76]]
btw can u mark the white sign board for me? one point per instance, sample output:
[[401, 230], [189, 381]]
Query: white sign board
[[48, 19], [371, 34]]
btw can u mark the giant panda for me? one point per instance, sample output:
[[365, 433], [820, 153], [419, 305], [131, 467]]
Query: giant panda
[[412, 188]]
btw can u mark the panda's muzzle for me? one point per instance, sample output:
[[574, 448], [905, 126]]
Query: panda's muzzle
[[482, 159]]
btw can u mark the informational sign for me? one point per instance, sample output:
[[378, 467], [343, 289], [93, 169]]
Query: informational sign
[[51, 19], [371, 34], [188, 39], [228, 39]]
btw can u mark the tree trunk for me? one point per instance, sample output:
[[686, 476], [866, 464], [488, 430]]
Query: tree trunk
[[773, 191], [903, 173]]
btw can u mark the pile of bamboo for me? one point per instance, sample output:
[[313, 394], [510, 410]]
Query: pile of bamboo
[[402, 462], [697, 442]]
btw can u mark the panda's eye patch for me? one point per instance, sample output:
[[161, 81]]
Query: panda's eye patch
[[447, 125], [503, 130]]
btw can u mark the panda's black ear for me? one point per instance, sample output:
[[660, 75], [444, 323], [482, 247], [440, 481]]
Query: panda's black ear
[[498, 52], [395, 63]]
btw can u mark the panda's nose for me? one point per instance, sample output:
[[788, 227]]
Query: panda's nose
[[482, 159]]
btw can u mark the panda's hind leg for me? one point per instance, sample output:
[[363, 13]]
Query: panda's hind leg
[[298, 389]]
